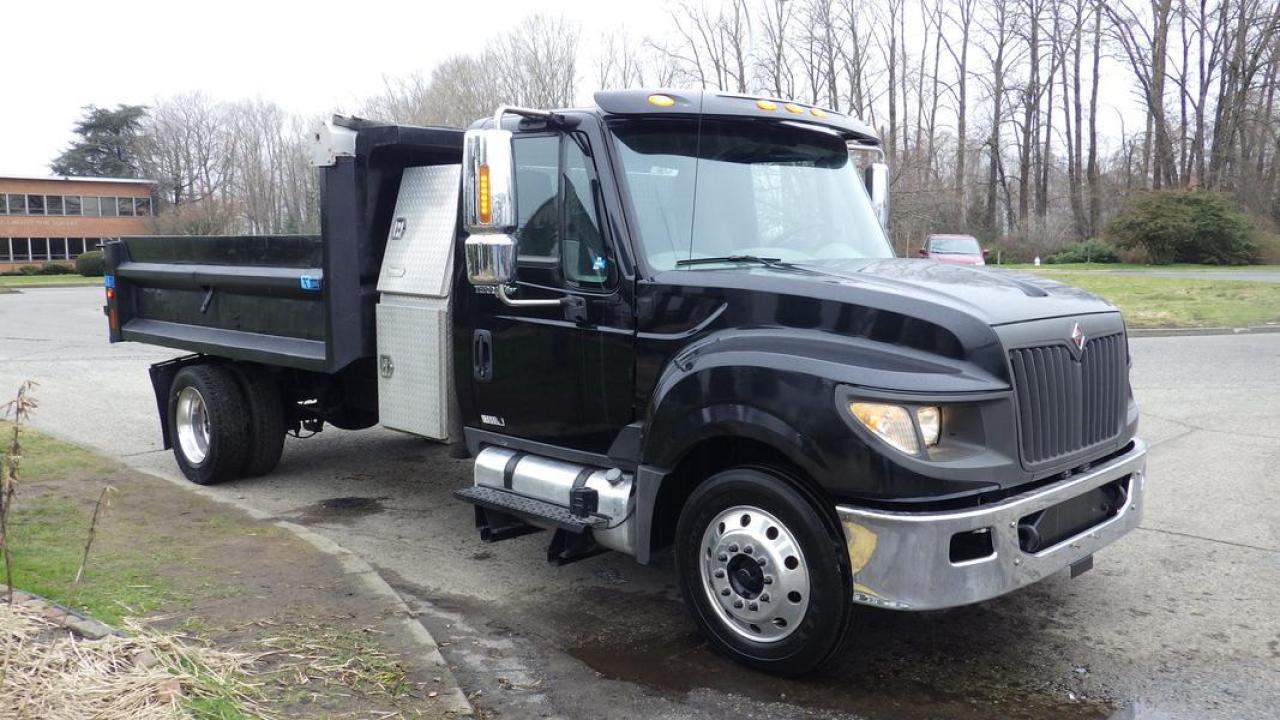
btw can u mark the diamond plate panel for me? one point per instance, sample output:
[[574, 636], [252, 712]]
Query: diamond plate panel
[[414, 365], [419, 255]]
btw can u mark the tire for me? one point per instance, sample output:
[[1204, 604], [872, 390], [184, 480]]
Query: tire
[[208, 424], [792, 617], [265, 405]]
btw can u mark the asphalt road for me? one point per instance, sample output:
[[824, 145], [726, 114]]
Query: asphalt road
[[1179, 620]]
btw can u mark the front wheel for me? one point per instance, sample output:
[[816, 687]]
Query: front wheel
[[763, 575], [208, 424]]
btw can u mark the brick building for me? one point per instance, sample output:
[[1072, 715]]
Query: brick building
[[57, 218]]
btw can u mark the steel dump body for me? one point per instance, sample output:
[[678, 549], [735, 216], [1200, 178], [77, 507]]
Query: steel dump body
[[305, 302]]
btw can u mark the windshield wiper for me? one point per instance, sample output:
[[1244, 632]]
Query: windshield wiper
[[766, 261]]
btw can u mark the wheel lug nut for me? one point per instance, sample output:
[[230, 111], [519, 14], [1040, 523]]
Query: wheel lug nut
[[733, 547], [768, 579], [722, 557], [737, 604], [760, 561], [725, 592], [764, 597], [753, 607], [719, 573], [748, 549]]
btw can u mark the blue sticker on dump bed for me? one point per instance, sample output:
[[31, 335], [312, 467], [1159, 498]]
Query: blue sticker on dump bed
[[109, 281], [308, 282]]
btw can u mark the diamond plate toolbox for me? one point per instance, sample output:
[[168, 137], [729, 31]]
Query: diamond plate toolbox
[[419, 255], [413, 366]]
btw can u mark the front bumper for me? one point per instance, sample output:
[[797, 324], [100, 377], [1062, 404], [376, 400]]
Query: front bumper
[[902, 560]]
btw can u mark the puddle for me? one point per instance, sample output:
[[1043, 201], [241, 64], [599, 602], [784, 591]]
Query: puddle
[[339, 509], [918, 689]]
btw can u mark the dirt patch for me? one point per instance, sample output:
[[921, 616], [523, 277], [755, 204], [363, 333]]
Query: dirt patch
[[325, 646]]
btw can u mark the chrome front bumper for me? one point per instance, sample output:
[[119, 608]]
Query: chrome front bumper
[[902, 560]]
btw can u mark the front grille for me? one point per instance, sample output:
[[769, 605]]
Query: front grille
[[1067, 406]]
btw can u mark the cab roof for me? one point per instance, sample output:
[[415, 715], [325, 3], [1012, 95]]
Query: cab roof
[[658, 102]]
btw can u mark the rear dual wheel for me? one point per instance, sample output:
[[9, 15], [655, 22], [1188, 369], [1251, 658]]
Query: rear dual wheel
[[225, 423], [763, 573]]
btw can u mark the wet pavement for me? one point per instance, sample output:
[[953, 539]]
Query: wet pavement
[[1179, 620]]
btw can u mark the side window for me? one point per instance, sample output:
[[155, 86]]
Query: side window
[[584, 257], [537, 160]]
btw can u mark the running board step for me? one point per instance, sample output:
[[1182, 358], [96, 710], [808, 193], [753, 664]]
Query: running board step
[[527, 508]]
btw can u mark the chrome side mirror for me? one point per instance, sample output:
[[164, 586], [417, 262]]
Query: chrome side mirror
[[491, 259], [488, 182], [877, 181], [489, 207]]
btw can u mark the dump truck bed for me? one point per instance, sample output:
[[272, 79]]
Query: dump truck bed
[[256, 298], [296, 301]]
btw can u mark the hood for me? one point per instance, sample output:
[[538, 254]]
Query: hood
[[997, 297]]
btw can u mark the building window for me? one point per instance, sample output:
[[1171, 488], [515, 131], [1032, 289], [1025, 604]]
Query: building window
[[126, 206], [5, 253], [58, 249], [108, 207], [35, 204], [53, 204], [71, 204], [39, 248], [75, 246], [142, 206], [89, 207], [21, 249], [17, 204]]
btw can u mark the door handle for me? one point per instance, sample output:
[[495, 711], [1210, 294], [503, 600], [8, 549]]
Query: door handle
[[482, 356]]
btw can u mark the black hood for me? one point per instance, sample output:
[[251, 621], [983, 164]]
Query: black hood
[[997, 297]]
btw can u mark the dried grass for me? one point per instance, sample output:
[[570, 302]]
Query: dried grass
[[48, 674]]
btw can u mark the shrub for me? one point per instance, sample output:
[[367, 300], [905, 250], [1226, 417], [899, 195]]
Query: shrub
[[29, 270], [90, 264], [1085, 251], [56, 268], [1193, 226]]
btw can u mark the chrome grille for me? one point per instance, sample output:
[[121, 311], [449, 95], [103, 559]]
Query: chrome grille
[[1067, 406]]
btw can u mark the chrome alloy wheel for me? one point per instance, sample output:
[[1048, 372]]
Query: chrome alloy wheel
[[192, 420], [754, 573]]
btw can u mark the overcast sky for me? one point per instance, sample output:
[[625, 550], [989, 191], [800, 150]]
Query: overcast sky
[[310, 57]]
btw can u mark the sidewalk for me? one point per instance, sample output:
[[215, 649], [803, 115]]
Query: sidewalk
[[330, 638]]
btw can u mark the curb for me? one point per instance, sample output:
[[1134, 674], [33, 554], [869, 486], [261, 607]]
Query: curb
[[453, 700], [1199, 331], [68, 619]]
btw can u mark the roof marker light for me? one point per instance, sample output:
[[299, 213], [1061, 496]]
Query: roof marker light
[[766, 105], [817, 113], [662, 100], [793, 108]]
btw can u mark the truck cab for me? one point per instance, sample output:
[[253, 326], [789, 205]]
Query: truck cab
[[671, 319]]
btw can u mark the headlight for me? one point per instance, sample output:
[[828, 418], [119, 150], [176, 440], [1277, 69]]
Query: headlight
[[894, 425]]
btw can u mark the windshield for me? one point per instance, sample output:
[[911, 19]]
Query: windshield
[[763, 189], [954, 245]]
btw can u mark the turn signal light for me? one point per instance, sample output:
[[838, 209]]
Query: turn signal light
[[483, 203]]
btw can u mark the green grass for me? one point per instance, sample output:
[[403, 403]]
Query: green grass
[[48, 536], [1155, 302], [21, 281], [1102, 267]]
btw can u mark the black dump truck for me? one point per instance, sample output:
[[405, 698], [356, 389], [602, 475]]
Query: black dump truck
[[671, 319]]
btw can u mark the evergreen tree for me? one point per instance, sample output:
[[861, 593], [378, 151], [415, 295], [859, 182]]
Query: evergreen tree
[[108, 144]]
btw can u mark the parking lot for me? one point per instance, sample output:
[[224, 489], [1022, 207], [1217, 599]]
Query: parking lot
[[1179, 620]]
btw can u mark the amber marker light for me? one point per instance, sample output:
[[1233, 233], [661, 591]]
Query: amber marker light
[[662, 100], [766, 105], [482, 190], [817, 113], [793, 108]]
